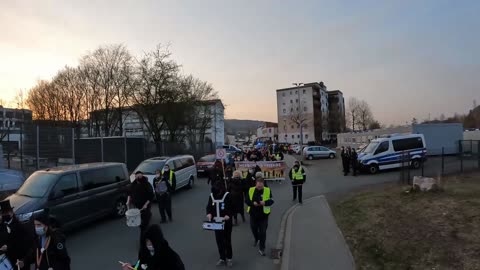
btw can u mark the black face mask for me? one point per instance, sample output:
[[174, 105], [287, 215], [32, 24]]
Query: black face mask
[[6, 218]]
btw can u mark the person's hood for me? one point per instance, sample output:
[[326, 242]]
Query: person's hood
[[22, 204]]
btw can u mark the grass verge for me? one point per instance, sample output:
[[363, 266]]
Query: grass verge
[[390, 229]]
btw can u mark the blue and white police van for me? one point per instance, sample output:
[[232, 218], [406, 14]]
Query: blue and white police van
[[393, 151]]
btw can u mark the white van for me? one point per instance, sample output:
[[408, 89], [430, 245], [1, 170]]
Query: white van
[[183, 166], [391, 151]]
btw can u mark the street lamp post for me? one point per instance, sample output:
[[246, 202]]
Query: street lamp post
[[298, 108]]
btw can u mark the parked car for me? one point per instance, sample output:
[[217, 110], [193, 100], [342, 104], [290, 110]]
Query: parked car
[[231, 149], [10, 182], [390, 152], [312, 152], [297, 149], [75, 194], [205, 165], [183, 166]]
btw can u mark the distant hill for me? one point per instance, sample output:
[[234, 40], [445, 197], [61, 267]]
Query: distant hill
[[234, 126]]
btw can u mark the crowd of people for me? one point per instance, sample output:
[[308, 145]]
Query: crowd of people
[[232, 194], [349, 160], [41, 245]]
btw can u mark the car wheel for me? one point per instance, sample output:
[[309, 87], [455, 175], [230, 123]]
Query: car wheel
[[120, 208], [415, 163], [310, 157], [373, 169], [190, 182], [331, 156]]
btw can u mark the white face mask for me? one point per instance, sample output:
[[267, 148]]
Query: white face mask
[[151, 250], [250, 171]]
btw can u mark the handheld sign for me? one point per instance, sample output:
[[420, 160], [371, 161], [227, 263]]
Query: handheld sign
[[221, 153]]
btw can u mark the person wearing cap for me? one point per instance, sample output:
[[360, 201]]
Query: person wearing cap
[[140, 196], [219, 209], [49, 250], [17, 239], [259, 201], [298, 177]]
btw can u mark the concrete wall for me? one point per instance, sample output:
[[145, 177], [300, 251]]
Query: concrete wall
[[471, 135]]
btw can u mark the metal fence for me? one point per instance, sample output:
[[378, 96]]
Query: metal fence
[[32, 147], [467, 159]]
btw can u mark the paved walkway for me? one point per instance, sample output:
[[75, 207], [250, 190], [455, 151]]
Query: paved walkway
[[313, 240]]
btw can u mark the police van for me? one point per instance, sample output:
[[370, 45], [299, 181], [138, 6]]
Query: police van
[[393, 151]]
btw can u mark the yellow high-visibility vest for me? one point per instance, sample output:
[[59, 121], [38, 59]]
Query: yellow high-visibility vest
[[297, 175], [265, 197], [170, 180]]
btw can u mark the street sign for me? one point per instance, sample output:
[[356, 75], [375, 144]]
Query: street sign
[[221, 153]]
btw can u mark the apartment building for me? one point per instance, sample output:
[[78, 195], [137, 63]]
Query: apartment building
[[304, 113]]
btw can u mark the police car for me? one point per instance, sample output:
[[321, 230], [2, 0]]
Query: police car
[[393, 151]]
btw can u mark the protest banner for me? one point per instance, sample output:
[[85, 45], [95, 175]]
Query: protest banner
[[272, 170]]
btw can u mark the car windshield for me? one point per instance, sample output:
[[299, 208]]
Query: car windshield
[[370, 147], [148, 167], [37, 185], [209, 158]]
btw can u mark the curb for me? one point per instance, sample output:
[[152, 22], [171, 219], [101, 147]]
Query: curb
[[285, 234]]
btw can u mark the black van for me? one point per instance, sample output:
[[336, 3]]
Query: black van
[[75, 194]]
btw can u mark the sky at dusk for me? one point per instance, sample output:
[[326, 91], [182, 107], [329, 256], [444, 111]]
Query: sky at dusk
[[405, 58]]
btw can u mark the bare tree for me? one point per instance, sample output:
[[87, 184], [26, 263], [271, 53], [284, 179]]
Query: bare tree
[[352, 112], [365, 116], [109, 72], [298, 116], [155, 73]]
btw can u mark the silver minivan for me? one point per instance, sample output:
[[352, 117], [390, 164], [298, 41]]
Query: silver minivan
[[183, 166]]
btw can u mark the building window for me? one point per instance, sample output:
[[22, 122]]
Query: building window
[[305, 126], [296, 100], [290, 93], [293, 136], [293, 126], [291, 109], [283, 103], [298, 125], [304, 91], [298, 136], [296, 92], [291, 101], [284, 110], [306, 136], [283, 94], [305, 109]]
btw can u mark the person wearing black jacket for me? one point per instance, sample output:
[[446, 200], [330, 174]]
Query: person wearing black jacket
[[236, 187], [16, 239], [259, 201], [155, 253], [345, 161], [354, 161], [140, 196], [163, 190], [49, 250], [223, 237]]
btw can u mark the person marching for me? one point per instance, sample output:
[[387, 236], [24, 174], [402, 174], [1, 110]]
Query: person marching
[[259, 201], [163, 190], [219, 209], [345, 161], [354, 161], [236, 188], [16, 240], [141, 195], [249, 179], [155, 253], [298, 177], [49, 250]]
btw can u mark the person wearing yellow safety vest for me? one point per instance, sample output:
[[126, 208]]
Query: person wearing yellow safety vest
[[259, 201], [298, 177]]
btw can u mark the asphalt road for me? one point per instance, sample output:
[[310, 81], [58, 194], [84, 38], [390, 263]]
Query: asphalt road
[[103, 244]]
